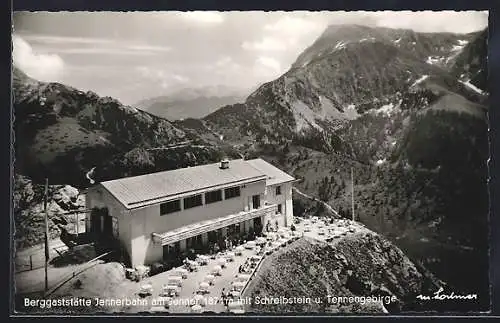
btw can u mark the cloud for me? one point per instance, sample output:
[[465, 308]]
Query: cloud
[[49, 39], [225, 65], [44, 67], [294, 26], [204, 17], [126, 51], [92, 46], [288, 35], [434, 21], [149, 48], [179, 78], [269, 62], [160, 75], [101, 51]]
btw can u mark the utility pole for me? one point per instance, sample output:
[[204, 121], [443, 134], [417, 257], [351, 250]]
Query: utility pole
[[45, 197], [352, 192]]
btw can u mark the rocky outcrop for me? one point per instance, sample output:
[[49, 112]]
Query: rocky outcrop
[[29, 217], [362, 265], [471, 65]]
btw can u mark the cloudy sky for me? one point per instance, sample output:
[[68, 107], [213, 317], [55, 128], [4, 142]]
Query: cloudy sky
[[136, 55]]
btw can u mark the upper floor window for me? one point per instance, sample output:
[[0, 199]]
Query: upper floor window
[[278, 190], [192, 201], [170, 207], [213, 196], [280, 208], [232, 192]]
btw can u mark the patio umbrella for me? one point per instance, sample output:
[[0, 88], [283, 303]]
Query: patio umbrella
[[221, 262], [216, 269], [261, 240]]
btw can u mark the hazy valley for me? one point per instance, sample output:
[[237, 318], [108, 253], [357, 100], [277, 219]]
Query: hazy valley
[[406, 111]]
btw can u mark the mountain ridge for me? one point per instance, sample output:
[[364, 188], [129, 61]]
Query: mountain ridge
[[405, 135], [57, 124]]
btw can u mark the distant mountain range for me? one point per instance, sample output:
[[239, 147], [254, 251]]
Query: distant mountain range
[[345, 73], [192, 103]]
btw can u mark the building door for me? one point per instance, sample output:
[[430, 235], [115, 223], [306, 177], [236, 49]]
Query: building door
[[212, 237], [167, 252], [256, 201], [95, 221], [177, 248]]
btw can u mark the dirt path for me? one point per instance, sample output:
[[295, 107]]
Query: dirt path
[[33, 281]]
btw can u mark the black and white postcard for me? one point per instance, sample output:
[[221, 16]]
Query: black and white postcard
[[250, 162]]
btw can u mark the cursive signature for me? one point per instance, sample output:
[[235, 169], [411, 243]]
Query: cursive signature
[[440, 295]]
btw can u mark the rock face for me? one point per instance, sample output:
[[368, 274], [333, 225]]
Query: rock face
[[362, 265], [353, 82], [66, 196], [57, 125], [29, 217]]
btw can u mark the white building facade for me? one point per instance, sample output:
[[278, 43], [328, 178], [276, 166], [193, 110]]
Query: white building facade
[[161, 215]]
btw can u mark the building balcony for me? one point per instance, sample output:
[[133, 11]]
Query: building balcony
[[198, 228]]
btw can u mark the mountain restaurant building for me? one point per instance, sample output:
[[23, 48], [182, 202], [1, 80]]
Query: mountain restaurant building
[[159, 216]]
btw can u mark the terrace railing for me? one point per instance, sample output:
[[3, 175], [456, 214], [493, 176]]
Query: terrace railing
[[211, 225]]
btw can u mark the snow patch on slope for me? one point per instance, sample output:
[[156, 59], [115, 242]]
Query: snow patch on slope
[[387, 109], [420, 80], [328, 110], [367, 39], [350, 112], [340, 45], [435, 60], [472, 87]]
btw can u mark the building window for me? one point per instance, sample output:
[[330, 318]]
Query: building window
[[278, 190], [279, 208], [213, 196], [115, 227], [192, 201], [170, 207], [232, 192], [256, 201]]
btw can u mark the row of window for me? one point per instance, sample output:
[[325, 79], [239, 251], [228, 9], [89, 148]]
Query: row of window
[[196, 200]]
